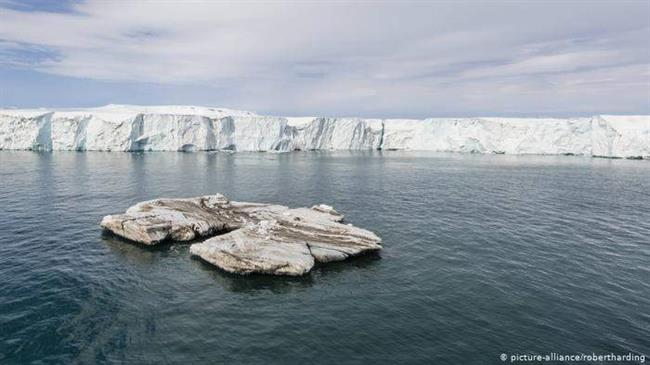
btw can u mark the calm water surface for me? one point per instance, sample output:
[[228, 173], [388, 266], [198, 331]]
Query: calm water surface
[[483, 255]]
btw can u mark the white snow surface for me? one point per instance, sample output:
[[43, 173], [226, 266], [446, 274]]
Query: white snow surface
[[195, 128]]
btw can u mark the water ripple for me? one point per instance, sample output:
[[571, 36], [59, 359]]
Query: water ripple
[[483, 255]]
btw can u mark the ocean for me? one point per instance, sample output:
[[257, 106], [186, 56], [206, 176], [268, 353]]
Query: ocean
[[483, 255]]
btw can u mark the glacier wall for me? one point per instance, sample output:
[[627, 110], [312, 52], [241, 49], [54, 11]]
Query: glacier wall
[[186, 128]]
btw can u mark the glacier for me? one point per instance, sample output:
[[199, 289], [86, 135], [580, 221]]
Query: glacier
[[195, 128]]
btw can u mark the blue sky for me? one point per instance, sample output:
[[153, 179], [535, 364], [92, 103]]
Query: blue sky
[[383, 59]]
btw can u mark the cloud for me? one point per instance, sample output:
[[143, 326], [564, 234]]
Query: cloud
[[359, 57]]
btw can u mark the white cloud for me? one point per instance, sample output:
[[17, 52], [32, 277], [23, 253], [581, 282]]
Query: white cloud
[[357, 57]]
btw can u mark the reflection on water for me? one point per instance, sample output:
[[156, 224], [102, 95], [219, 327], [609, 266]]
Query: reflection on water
[[252, 283]]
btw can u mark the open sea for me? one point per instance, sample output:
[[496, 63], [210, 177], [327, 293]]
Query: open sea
[[483, 255]]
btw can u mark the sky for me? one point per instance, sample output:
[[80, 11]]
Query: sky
[[366, 58]]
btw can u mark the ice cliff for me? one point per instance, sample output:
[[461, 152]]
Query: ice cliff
[[188, 128]]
